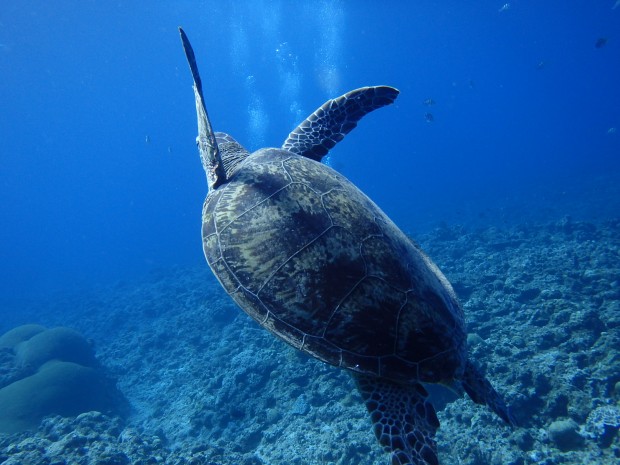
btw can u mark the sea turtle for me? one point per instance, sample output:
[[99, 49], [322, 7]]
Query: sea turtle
[[313, 260]]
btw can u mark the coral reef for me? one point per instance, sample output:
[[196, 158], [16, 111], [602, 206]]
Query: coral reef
[[207, 385], [46, 372]]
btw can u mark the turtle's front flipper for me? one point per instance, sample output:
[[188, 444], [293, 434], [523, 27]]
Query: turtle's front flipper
[[480, 390], [404, 420], [328, 125], [207, 145]]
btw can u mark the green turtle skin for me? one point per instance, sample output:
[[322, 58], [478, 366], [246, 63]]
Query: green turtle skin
[[313, 260]]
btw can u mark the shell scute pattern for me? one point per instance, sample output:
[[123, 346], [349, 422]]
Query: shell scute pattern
[[316, 262], [361, 363], [267, 236], [300, 170], [210, 244], [262, 179], [435, 348], [323, 350], [222, 271], [366, 322], [311, 284], [391, 268], [349, 209], [283, 329]]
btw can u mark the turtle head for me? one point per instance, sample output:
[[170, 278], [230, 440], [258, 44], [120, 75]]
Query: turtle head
[[206, 140], [231, 152]]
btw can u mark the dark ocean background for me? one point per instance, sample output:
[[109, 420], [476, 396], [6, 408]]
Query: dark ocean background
[[101, 185]]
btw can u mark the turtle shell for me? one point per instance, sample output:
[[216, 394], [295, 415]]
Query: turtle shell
[[312, 259]]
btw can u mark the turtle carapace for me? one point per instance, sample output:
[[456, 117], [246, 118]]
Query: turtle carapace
[[313, 260]]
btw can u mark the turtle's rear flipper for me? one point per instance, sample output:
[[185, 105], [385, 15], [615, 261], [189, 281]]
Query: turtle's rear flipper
[[403, 419], [481, 392]]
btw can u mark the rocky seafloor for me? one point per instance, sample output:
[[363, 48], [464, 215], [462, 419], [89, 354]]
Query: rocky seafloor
[[206, 385]]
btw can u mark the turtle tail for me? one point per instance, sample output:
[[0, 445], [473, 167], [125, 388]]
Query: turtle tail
[[481, 392]]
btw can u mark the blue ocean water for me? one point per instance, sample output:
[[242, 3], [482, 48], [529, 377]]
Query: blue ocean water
[[100, 179], [508, 117]]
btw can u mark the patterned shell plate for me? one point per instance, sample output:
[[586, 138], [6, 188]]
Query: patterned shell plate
[[312, 259]]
